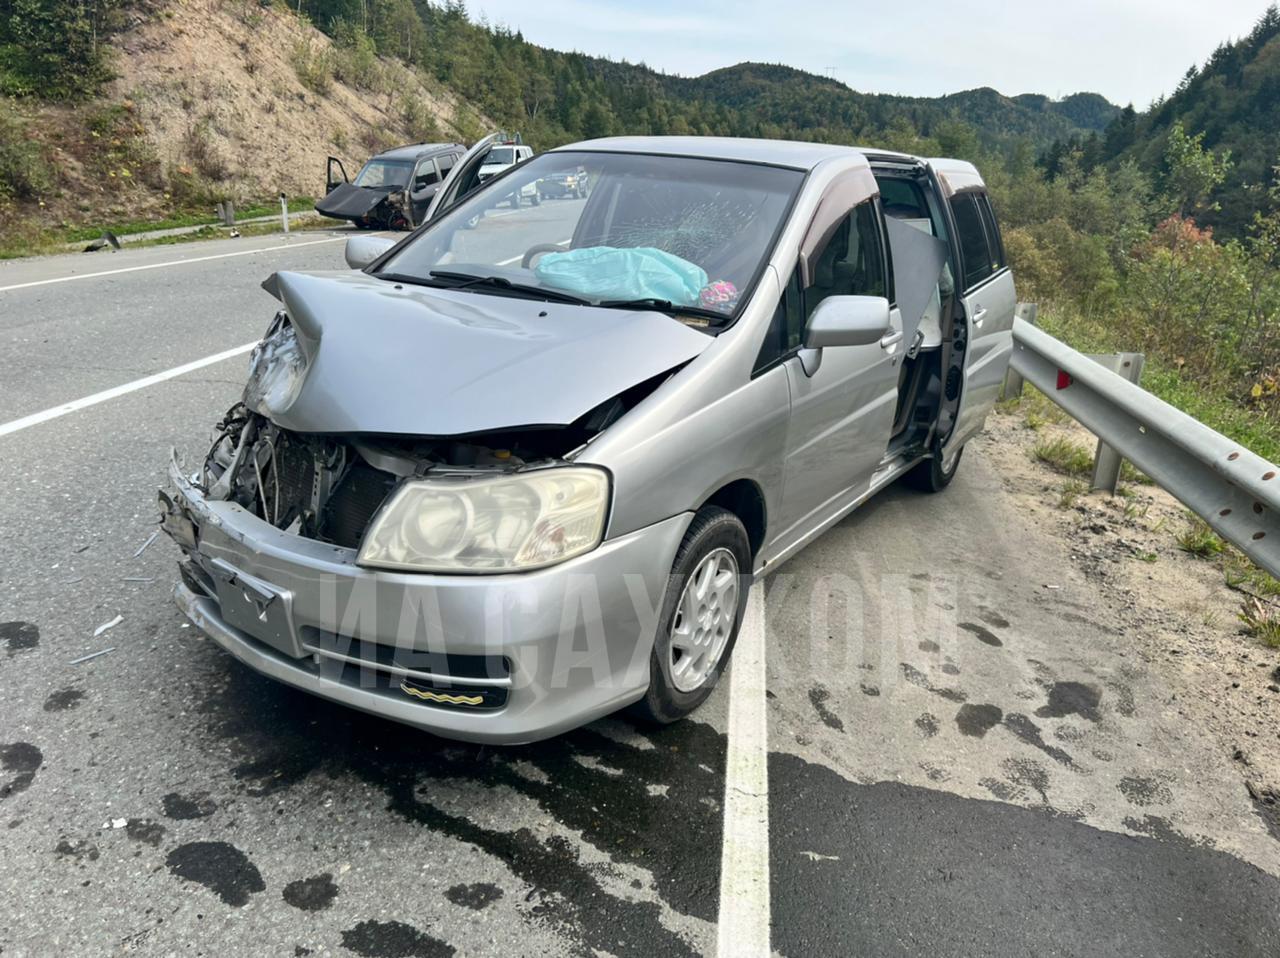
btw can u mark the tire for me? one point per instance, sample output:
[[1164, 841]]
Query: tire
[[929, 476], [717, 539]]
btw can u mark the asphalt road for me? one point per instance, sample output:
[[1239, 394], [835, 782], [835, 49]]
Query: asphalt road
[[960, 760]]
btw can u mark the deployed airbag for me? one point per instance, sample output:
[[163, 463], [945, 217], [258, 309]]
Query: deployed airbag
[[607, 272]]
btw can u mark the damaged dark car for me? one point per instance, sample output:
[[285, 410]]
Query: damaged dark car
[[517, 471], [393, 190]]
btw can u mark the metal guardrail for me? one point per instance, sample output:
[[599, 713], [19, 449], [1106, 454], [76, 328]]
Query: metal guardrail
[[1236, 492]]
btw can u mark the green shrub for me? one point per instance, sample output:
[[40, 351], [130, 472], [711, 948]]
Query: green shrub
[[355, 59], [1199, 540], [25, 171], [53, 48], [314, 65], [1065, 455]]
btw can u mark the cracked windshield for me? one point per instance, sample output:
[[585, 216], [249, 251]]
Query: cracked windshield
[[612, 228]]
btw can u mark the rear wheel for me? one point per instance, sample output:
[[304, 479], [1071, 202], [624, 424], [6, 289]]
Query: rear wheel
[[934, 474], [701, 614]]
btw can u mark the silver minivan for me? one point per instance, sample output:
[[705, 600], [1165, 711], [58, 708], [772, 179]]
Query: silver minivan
[[516, 471]]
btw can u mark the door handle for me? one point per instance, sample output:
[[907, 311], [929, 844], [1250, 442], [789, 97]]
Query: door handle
[[978, 313], [891, 338]]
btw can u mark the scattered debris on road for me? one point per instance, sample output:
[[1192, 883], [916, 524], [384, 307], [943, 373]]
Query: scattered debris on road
[[107, 238], [108, 625], [91, 655], [143, 548]]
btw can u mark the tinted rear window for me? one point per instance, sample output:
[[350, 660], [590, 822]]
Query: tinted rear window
[[973, 239]]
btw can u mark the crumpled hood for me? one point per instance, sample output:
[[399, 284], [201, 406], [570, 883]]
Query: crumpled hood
[[393, 358], [345, 201]]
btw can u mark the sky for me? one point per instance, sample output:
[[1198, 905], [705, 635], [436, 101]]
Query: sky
[[1130, 51]]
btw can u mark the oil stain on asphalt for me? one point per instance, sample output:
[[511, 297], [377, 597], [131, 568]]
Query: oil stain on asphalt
[[393, 939], [19, 637], [222, 868], [673, 774], [22, 759], [978, 720], [982, 633], [1072, 698], [818, 698], [63, 699], [186, 807], [477, 896], [311, 894]]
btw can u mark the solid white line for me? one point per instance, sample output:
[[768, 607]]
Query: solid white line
[[36, 418], [744, 858], [176, 262]]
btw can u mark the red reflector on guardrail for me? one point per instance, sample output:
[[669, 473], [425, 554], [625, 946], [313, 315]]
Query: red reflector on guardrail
[[1064, 380]]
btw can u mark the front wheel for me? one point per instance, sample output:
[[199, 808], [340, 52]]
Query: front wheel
[[701, 614], [933, 474]]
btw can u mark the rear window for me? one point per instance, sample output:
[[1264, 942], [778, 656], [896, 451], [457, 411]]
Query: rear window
[[975, 253], [995, 246]]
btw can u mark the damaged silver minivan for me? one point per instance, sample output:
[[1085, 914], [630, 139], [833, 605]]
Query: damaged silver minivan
[[517, 471]]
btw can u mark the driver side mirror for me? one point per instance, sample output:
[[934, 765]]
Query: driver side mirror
[[363, 250], [847, 321]]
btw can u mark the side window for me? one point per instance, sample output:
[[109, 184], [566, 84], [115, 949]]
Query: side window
[[853, 261], [786, 329], [445, 162], [973, 239], [425, 175], [995, 246]]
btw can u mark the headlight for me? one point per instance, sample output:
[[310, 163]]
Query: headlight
[[276, 369], [510, 523]]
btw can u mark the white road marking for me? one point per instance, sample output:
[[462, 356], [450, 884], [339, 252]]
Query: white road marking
[[744, 858], [53, 413], [176, 262]]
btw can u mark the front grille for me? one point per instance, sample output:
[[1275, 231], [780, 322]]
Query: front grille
[[296, 465], [382, 656], [354, 503], [438, 679]]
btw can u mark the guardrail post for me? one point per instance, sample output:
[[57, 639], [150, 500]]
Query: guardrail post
[[284, 212], [1107, 461], [1012, 388]]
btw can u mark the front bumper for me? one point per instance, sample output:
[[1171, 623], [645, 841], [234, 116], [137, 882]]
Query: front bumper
[[484, 658]]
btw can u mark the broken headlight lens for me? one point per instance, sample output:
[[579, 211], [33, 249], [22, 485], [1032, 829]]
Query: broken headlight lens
[[506, 524], [276, 369]]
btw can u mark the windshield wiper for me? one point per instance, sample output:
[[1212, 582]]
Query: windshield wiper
[[471, 281], [664, 306]]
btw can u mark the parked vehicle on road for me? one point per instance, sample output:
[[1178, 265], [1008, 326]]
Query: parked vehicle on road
[[570, 183], [503, 155], [517, 471], [392, 190]]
